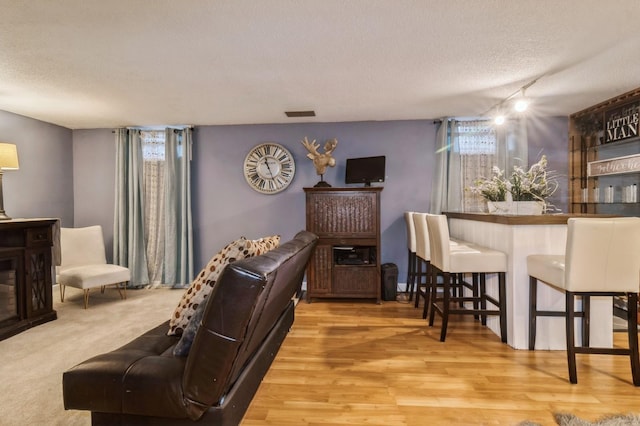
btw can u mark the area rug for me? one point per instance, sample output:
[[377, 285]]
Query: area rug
[[567, 419]]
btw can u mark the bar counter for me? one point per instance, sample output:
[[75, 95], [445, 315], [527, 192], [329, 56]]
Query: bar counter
[[519, 236]]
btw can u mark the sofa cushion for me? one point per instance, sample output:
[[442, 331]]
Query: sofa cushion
[[206, 279], [184, 344]]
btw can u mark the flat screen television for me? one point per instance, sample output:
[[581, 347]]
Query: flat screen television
[[365, 170]]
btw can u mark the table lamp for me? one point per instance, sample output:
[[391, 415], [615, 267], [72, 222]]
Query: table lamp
[[8, 161]]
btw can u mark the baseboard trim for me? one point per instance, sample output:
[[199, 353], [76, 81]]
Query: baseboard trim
[[401, 287]]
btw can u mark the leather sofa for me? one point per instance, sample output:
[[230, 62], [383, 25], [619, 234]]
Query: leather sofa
[[245, 320]]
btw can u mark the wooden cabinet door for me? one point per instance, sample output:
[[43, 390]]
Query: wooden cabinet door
[[356, 281], [343, 214], [319, 271], [38, 286]]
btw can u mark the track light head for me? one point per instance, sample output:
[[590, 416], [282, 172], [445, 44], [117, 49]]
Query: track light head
[[521, 105]]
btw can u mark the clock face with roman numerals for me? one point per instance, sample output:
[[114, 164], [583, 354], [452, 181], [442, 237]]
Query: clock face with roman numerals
[[269, 168]]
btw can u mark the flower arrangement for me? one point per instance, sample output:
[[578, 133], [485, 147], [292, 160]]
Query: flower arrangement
[[494, 188], [535, 184]]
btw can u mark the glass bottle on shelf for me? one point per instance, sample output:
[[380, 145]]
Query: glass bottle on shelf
[[609, 194]]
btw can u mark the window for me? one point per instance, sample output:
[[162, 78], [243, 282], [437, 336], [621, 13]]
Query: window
[[476, 138], [153, 170], [476, 143], [153, 145]]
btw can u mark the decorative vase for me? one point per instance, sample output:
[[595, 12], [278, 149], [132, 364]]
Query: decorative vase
[[519, 208]]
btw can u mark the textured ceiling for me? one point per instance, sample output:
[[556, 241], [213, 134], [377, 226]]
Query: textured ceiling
[[100, 64]]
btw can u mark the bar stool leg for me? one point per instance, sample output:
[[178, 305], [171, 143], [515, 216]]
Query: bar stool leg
[[533, 311], [632, 331], [445, 305], [586, 319], [482, 295], [411, 272], [427, 302], [427, 290], [502, 294], [571, 351], [434, 295], [417, 280]]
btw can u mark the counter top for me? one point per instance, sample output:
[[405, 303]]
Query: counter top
[[506, 219]]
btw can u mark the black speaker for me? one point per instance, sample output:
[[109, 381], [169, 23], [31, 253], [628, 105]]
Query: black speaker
[[389, 281]]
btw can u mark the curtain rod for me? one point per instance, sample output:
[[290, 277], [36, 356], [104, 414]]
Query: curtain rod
[[157, 129]]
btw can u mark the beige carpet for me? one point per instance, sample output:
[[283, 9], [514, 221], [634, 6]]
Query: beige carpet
[[34, 360]]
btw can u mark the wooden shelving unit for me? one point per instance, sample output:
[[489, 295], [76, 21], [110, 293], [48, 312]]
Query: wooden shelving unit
[[594, 136], [346, 262]]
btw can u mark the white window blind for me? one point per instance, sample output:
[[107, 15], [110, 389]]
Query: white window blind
[[476, 137]]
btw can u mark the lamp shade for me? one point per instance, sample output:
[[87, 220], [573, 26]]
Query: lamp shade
[[8, 157]]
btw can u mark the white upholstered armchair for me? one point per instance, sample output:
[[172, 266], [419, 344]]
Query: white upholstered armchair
[[84, 264]]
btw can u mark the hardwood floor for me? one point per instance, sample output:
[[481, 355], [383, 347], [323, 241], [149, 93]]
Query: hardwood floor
[[360, 363]]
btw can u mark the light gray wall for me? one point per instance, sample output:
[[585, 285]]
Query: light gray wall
[[43, 187], [94, 157], [549, 136]]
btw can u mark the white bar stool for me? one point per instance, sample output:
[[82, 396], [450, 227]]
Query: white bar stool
[[602, 258], [458, 260]]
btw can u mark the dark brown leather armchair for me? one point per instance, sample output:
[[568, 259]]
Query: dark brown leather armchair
[[246, 318]]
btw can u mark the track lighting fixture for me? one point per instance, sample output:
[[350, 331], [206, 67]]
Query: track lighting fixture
[[520, 105]]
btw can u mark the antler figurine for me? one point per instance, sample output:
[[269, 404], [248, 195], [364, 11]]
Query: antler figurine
[[321, 161]]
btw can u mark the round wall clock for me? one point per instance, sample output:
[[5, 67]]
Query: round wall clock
[[269, 168]]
